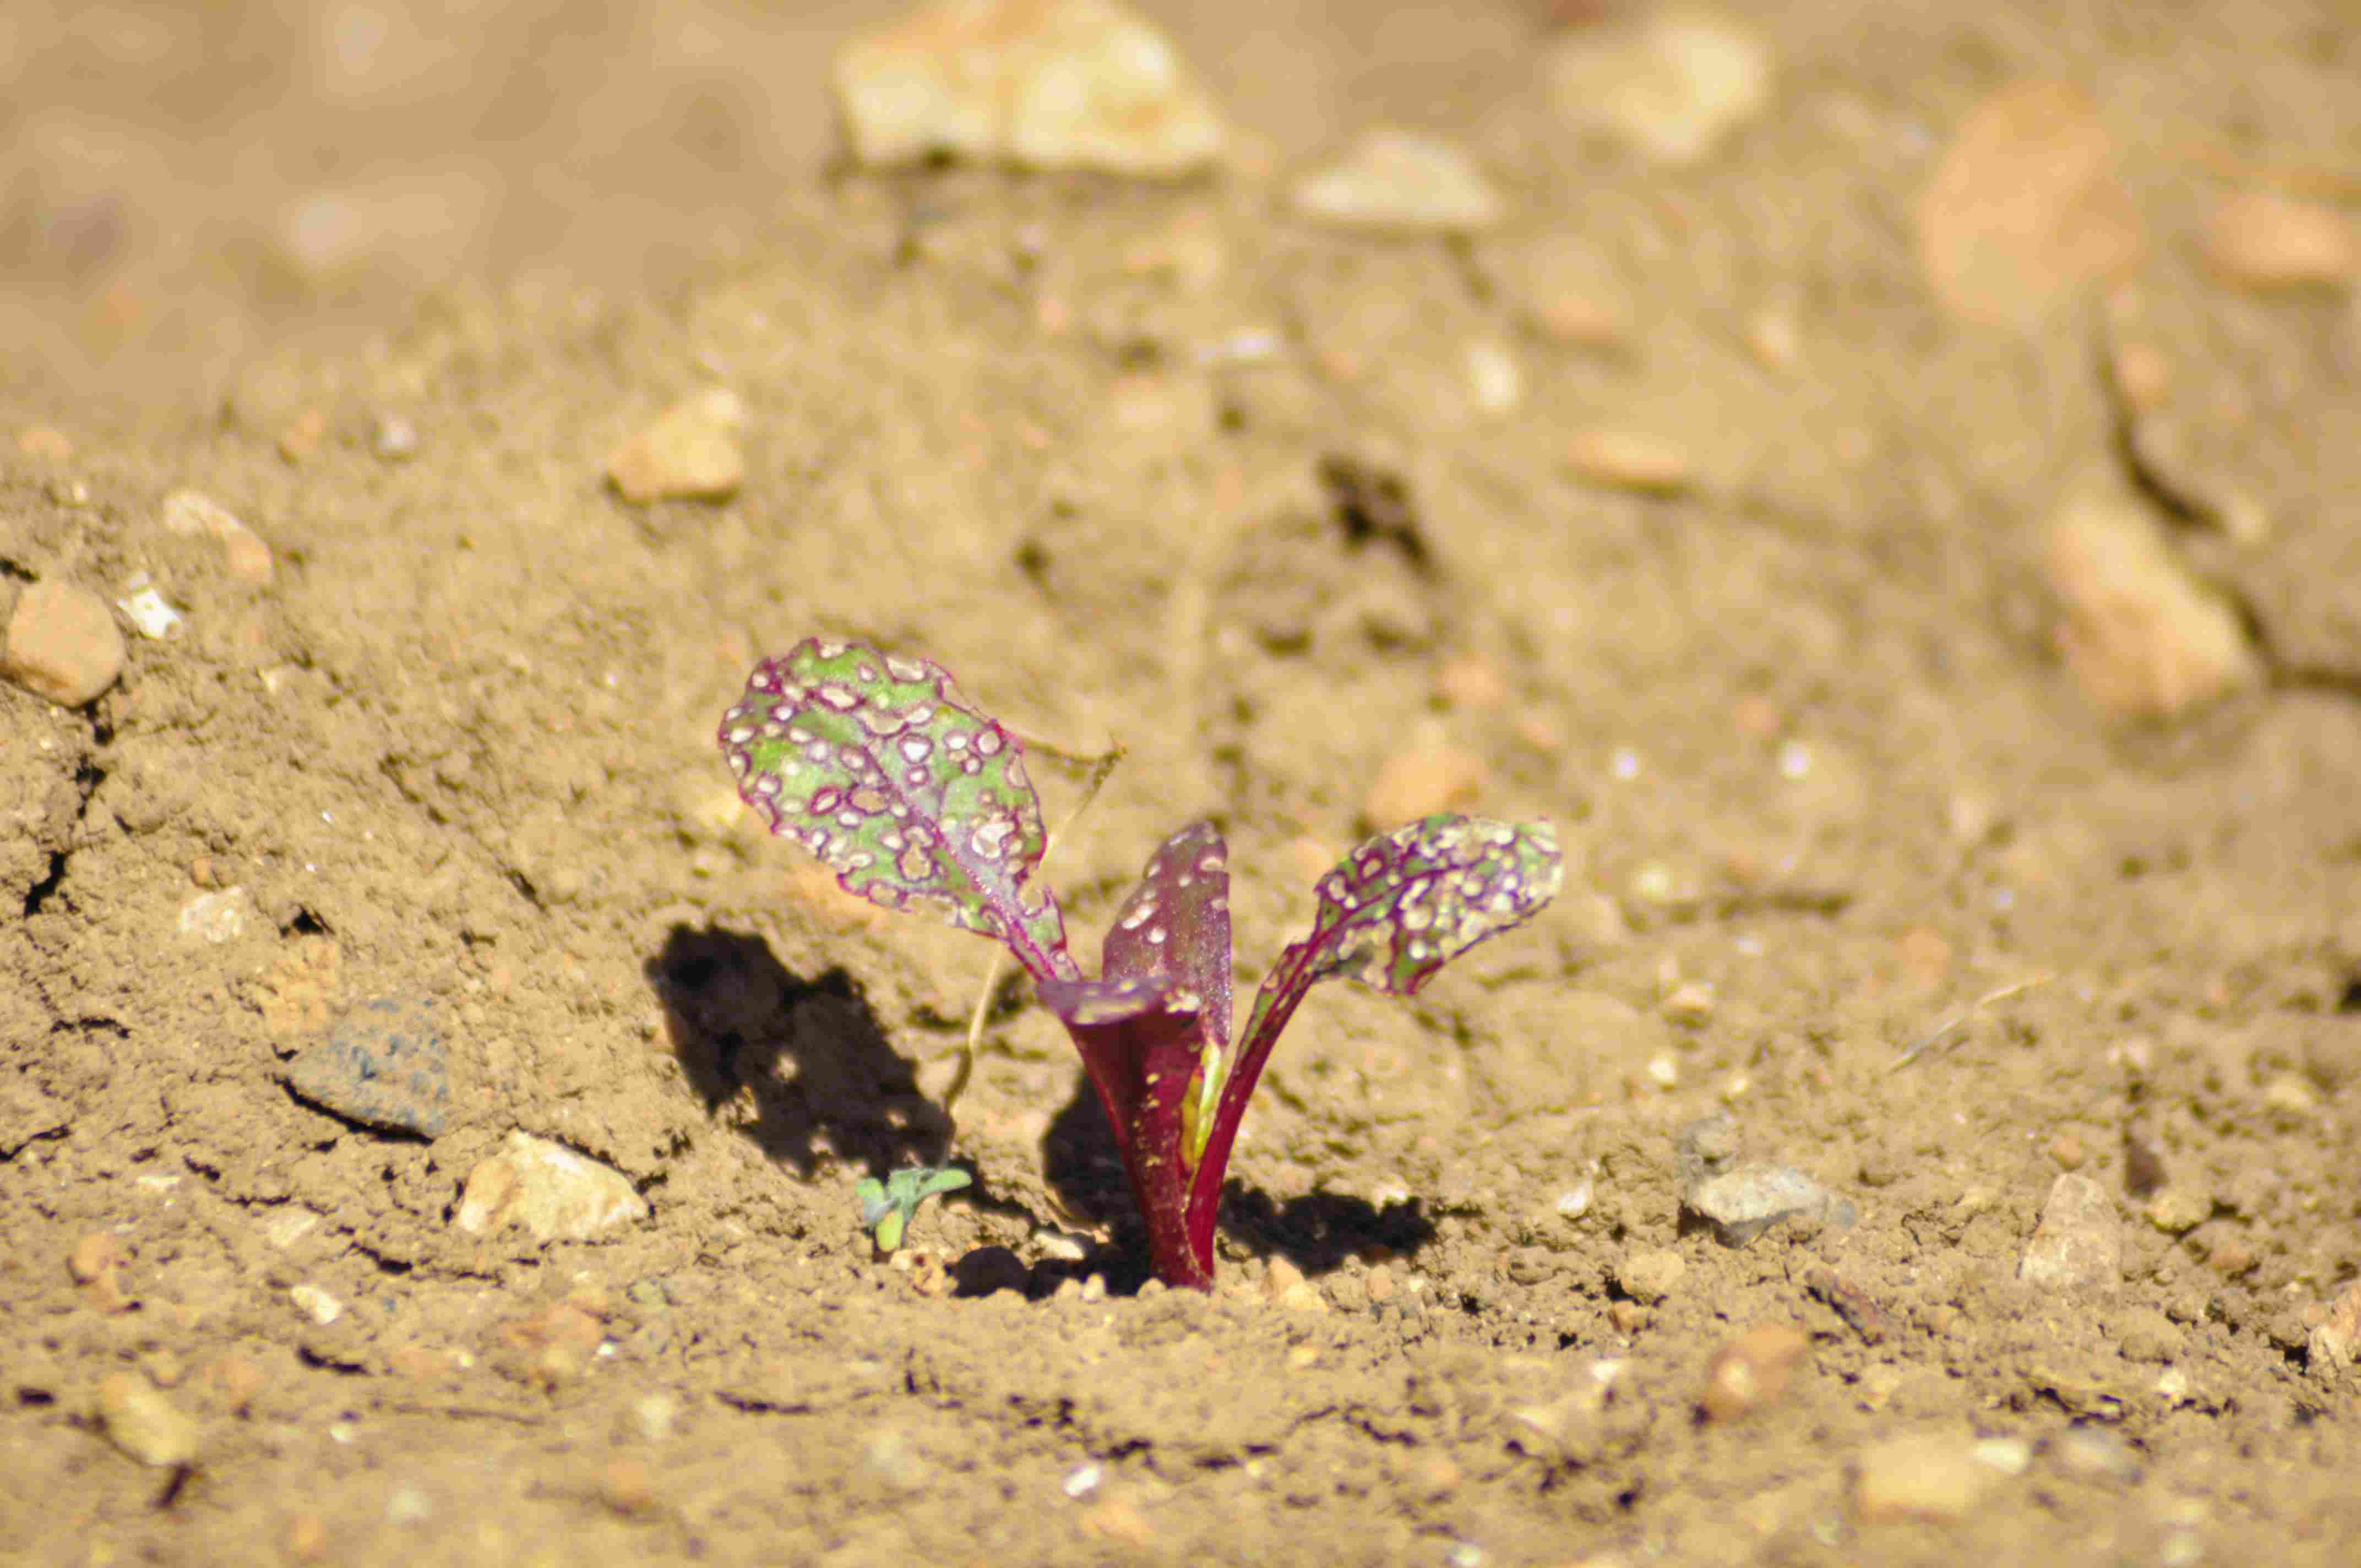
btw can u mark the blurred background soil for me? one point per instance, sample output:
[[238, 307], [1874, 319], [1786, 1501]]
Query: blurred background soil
[[1878, 476]]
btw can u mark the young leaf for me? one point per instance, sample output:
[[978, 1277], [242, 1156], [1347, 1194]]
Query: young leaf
[[1154, 1029], [888, 1207], [1391, 913], [917, 800]]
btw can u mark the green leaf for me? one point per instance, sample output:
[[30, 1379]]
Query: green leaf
[[888, 1207], [917, 800]]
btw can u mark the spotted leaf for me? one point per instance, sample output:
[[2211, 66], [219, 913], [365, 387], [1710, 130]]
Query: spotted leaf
[[916, 799]]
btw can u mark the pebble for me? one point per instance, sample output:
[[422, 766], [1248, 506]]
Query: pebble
[[655, 1415], [1048, 84], [2079, 1244], [315, 1303], [150, 612], [307, 1537], [1401, 181], [2096, 1450], [2335, 1340], [2067, 1150], [691, 451], [1921, 1477], [192, 514], [624, 1486], [383, 1065], [394, 439], [216, 918], [94, 1254], [1081, 1481], [2259, 240], [1753, 1371], [2177, 1210], [1741, 1204], [2143, 637], [141, 1421], [552, 1191], [1413, 784], [1627, 459], [1471, 680], [1494, 377], [1672, 83], [1283, 1285], [2024, 210], [231, 1382], [62, 643], [1649, 1275]]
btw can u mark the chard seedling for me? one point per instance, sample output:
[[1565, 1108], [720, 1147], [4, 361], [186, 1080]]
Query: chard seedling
[[888, 1207], [918, 801]]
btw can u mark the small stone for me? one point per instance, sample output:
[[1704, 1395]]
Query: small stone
[[2291, 1095], [2335, 1340], [1039, 83], [383, 1065], [1753, 1371], [1283, 1285], [1081, 1481], [1575, 1201], [193, 514], [1629, 1317], [1672, 82], [552, 1191], [2009, 1456], [1380, 1285], [316, 1304], [690, 451], [303, 434], [554, 1345], [145, 1424], [1413, 784], [1629, 460], [394, 439], [2178, 1210], [63, 644], [2259, 240], [2024, 210], [1649, 1275], [2079, 1243], [150, 613], [1924, 1477], [1690, 1003], [2066, 1151], [2143, 637], [1402, 181], [1494, 377], [216, 918], [1741, 1204], [94, 1254], [624, 1486], [421, 1362]]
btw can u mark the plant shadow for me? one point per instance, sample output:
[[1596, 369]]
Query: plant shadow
[[1316, 1232], [807, 1055]]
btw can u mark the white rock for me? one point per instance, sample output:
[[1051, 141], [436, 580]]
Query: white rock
[[216, 918], [1673, 82], [548, 1188], [316, 1304], [1040, 83], [1400, 180]]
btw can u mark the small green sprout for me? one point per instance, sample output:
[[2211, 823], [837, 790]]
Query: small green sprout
[[888, 1207]]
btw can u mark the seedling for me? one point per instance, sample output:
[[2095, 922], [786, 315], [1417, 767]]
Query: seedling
[[888, 1207], [918, 801]]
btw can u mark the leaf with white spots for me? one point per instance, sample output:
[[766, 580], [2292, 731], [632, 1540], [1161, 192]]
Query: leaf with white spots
[[917, 800]]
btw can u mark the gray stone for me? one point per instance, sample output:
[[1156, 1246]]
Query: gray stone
[[1743, 1203], [2079, 1243], [383, 1065]]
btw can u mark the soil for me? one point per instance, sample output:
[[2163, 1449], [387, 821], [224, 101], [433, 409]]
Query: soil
[[1853, 855]]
